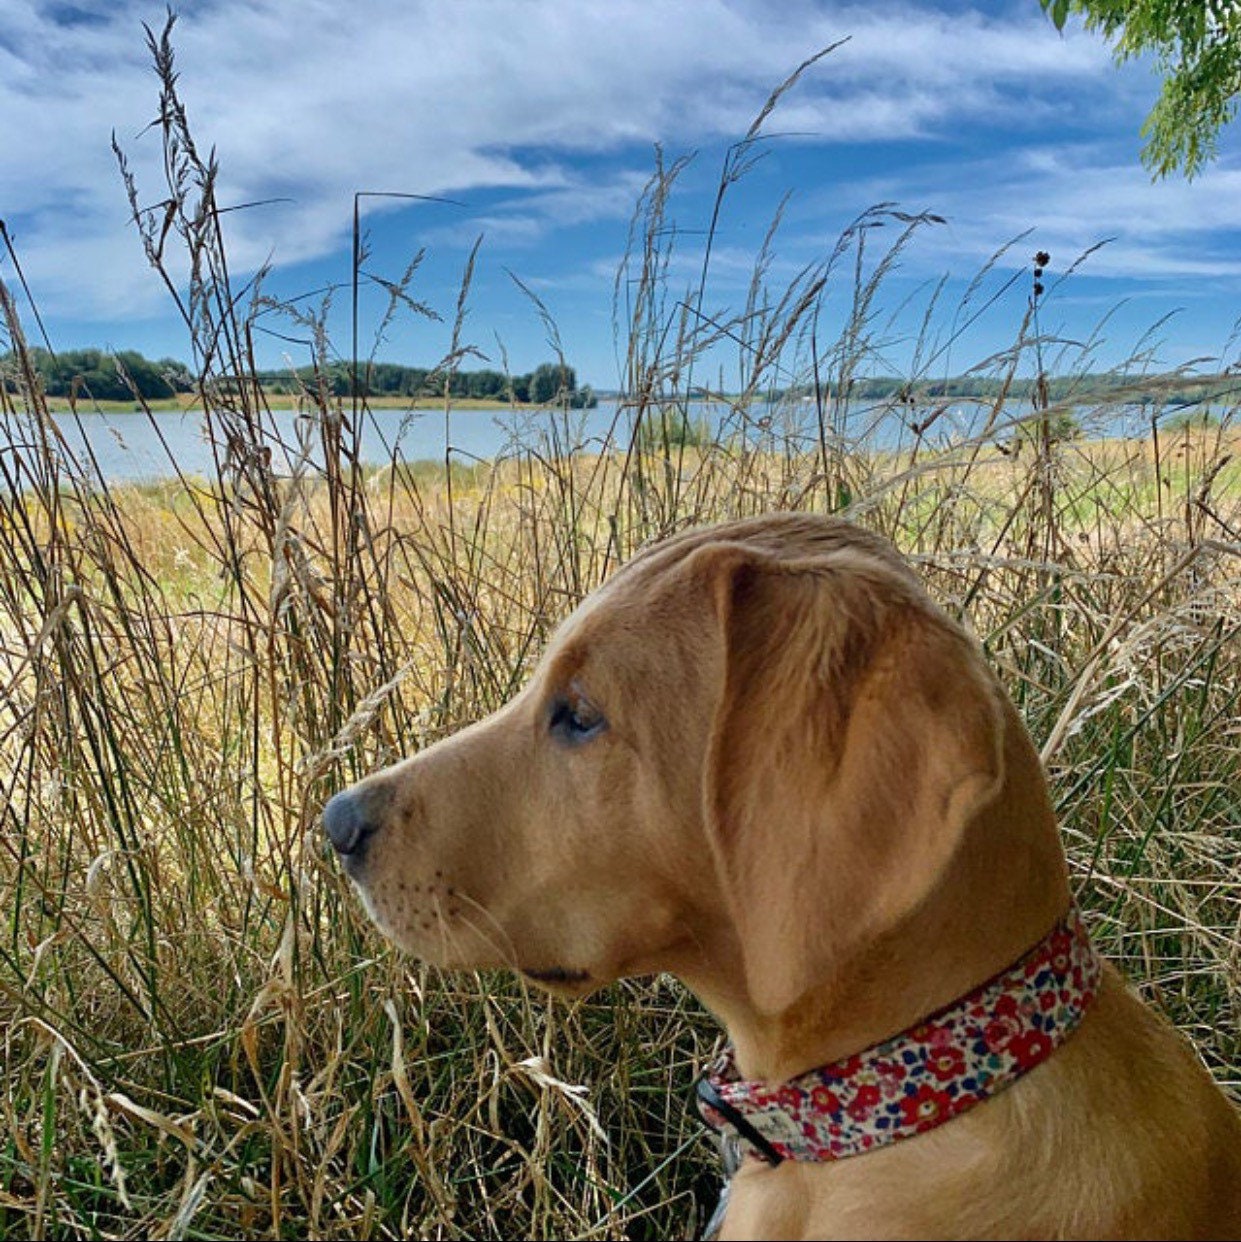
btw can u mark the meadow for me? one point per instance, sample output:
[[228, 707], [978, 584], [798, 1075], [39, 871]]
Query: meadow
[[203, 1037]]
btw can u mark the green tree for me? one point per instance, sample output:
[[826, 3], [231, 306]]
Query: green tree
[[1198, 46], [108, 377], [548, 380], [488, 385]]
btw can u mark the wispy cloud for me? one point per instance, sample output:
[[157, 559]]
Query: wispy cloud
[[310, 101], [1074, 196]]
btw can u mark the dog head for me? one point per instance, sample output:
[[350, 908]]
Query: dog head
[[761, 740]]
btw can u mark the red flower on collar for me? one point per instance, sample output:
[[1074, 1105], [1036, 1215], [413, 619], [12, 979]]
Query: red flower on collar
[[946, 1063], [925, 1108]]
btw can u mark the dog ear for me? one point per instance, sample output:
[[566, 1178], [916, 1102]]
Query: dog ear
[[857, 733]]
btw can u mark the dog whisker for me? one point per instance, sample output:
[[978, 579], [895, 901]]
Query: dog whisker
[[503, 947]]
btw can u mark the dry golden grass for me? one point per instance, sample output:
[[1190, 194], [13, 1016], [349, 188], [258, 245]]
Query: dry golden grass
[[202, 1035]]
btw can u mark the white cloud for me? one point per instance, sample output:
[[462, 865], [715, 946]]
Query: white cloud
[[1074, 196], [311, 100]]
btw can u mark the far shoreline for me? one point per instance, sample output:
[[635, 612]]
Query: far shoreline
[[187, 402]]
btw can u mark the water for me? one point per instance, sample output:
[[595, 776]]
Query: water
[[139, 448]]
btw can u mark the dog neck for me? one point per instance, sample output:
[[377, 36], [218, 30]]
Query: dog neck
[[921, 1078]]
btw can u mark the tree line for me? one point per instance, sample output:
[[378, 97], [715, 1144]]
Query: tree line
[[1060, 389], [127, 375], [102, 375], [549, 383]]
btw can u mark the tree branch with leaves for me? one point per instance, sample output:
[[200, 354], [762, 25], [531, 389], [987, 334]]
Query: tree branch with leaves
[[1197, 44]]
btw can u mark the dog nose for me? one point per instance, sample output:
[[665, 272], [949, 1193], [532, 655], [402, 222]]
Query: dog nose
[[347, 824]]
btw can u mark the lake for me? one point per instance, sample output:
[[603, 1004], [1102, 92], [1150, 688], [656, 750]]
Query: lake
[[136, 447]]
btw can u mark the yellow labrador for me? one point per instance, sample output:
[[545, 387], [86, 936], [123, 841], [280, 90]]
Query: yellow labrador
[[762, 759]]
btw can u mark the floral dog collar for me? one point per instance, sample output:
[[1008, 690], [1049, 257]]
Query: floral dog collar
[[940, 1067]]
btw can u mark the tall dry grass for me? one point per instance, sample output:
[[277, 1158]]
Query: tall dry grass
[[203, 1037]]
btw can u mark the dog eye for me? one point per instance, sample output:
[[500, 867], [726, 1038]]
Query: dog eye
[[575, 720]]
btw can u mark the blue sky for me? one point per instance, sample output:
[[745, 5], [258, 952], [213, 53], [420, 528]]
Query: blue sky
[[541, 119]]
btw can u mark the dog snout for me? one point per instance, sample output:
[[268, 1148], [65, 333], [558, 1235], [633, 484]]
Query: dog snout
[[350, 820]]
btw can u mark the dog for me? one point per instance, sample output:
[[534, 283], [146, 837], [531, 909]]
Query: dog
[[761, 758]]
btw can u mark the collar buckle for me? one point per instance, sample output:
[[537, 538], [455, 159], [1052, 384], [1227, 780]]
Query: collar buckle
[[709, 1095]]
